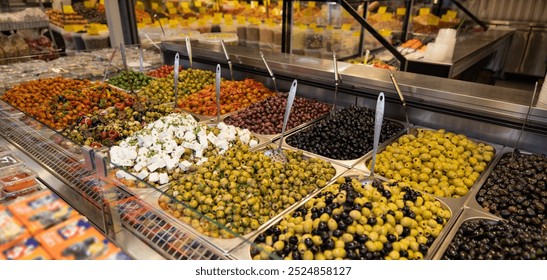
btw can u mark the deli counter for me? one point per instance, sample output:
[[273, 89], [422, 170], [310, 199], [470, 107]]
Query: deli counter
[[149, 221]]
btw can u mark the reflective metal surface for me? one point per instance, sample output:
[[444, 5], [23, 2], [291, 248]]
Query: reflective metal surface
[[485, 112]]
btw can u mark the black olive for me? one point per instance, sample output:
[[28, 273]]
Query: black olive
[[308, 242]]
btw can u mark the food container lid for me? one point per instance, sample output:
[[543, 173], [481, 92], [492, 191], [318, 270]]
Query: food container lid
[[16, 175], [4, 149], [209, 38], [9, 160]]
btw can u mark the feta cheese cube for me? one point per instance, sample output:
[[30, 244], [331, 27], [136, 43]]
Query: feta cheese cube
[[164, 178]]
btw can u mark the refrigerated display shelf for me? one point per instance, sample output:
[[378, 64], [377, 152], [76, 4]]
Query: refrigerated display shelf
[[158, 233], [169, 241], [68, 169]]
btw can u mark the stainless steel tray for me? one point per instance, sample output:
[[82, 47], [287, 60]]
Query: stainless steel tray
[[347, 163], [226, 245], [471, 197], [452, 201], [466, 215], [242, 252]]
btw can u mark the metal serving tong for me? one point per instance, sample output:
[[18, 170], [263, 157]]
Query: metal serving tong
[[189, 51], [109, 63], [176, 79], [269, 71], [402, 98], [378, 119], [525, 121], [337, 79], [277, 154], [228, 59]]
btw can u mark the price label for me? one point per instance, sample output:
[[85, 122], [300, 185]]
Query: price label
[[74, 27], [184, 5], [172, 11], [401, 11], [192, 19], [424, 11], [218, 15], [67, 9], [197, 3], [330, 27], [141, 25], [146, 20], [311, 4], [169, 5], [240, 19], [164, 21], [313, 25], [173, 23], [433, 21], [382, 9], [140, 6], [451, 14], [445, 18], [296, 4], [346, 26], [92, 30], [101, 2], [254, 4], [228, 17], [88, 4], [385, 17]]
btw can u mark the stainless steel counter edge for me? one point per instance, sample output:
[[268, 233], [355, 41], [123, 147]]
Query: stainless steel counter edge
[[420, 90]]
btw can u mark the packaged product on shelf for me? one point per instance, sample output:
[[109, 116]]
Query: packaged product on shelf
[[17, 179], [93, 42], [41, 210], [11, 230], [298, 39], [228, 26], [76, 239], [9, 160], [241, 31], [278, 38], [266, 35], [27, 249], [252, 35]]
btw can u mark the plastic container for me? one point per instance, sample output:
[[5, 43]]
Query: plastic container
[[314, 39], [4, 149], [78, 40], [94, 42], [298, 39], [214, 38], [8, 160], [17, 179], [241, 30]]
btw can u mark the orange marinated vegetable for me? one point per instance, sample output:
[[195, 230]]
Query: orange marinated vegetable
[[16, 182], [59, 102], [234, 95]]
